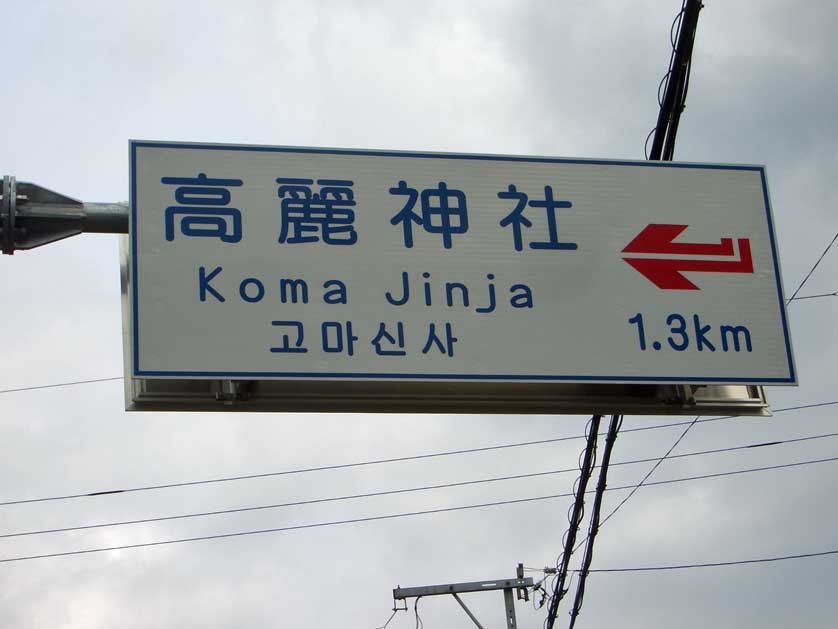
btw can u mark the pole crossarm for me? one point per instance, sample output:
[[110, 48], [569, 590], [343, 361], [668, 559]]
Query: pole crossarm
[[459, 588], [454, 589]]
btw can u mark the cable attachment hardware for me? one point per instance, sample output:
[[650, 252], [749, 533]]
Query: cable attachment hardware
[[32, 216], [232, 391]]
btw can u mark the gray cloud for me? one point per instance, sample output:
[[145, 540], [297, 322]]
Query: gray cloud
[[501, 77]]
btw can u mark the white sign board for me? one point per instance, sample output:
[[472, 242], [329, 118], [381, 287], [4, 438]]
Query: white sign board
[[257, 262]]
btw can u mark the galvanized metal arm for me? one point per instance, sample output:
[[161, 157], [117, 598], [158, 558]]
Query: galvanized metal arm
[[32, 216], [507, 585]]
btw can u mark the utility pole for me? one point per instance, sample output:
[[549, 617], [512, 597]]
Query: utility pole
[[663, 144], [663, 148]]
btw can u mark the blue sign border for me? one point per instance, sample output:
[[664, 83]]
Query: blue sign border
[[135, 144]]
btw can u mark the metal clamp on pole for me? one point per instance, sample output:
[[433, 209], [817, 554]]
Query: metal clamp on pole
[[32, 216]]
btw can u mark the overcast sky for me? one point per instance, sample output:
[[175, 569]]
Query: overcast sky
[[574, 79]]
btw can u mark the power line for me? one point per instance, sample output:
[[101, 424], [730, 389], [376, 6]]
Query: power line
[[384, 626], [391, 492], [658, 462], [644, 483], [720, 563], [392, 516], [835, 294], [796, 408], [59, 384], [415, 457], [815, 266], [586, 469], [419, 622], [646, 477], [321, 468], [593, 525], [663, 85], [280, 529], [730, 473]]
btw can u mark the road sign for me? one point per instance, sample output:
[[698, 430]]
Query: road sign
[[278, 263]]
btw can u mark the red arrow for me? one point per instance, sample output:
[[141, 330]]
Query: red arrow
[[657, 238], [665, 273]]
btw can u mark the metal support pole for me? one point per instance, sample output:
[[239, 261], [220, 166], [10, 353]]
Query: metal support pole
[[32, 216], [509, 600]]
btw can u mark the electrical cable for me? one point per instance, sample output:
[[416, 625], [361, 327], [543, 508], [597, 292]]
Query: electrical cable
[[384, 626], [719, 563], [593, 527], [419, 622], [646, 477], [321, 468], [557, 573], [586, 468], [815, 266], [663, 85], [392, 516], [835, 294], [391, 492], [60, 384], [416, 457], [646, 143], [683, 45]]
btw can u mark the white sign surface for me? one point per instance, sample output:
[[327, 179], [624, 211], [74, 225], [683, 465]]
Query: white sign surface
[[269, 262]]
